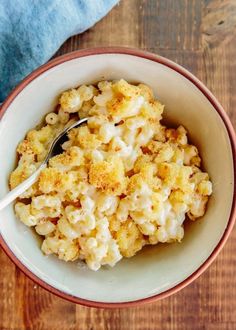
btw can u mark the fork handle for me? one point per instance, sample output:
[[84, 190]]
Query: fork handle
[[22, 187]]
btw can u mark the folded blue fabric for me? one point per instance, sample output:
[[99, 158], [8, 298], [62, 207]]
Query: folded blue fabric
[[31, 31]]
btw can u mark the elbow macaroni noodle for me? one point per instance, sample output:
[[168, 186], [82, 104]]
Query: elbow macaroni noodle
[[123, 181]]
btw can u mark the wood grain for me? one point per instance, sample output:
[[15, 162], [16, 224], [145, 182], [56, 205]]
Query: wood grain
[[201, 36]]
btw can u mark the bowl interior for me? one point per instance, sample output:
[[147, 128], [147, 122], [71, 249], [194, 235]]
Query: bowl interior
[[155, 269]]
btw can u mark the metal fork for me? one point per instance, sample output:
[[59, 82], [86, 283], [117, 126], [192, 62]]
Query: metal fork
[[55, 149]]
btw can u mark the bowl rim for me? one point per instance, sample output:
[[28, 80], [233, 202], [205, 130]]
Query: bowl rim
[[231, 133]]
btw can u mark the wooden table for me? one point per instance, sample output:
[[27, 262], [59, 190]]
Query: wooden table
[[201, 36]]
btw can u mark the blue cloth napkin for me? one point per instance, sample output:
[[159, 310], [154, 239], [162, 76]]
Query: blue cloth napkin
[[31, 31]]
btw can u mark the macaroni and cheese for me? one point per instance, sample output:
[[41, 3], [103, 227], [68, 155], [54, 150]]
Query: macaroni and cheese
[[123, 181]]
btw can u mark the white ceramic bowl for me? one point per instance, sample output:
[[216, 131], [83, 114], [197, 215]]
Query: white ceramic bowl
[[155, 272]]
